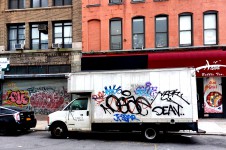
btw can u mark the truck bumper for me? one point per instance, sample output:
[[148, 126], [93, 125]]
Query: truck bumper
[[47, 128]]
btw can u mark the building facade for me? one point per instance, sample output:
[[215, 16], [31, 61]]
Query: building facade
[[140, 34], [42, 40]]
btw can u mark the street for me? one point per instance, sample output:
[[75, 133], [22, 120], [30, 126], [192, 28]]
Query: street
[[41, 140]]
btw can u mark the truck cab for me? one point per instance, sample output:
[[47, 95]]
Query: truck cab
[[74, 117]]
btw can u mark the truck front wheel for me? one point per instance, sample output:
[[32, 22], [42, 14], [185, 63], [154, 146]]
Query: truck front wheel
[[58, 130], [150, 134]]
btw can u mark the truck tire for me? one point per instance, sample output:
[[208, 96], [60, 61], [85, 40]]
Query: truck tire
[[150, 134], [58, 130]]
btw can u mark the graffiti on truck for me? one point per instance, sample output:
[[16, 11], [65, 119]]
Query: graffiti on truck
[[140, 100], [127, 103], [124, 118], [146, 90], [173, 105], [42, 100]]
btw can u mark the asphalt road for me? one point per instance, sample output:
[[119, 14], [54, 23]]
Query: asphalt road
[[41, 140]]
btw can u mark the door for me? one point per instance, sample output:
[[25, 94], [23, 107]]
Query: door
[[79, 115], [200, 97]]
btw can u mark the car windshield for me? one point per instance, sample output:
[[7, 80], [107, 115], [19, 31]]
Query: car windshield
[[15, 108]]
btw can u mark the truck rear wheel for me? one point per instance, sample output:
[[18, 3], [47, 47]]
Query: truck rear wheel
[[150, 134], [58, 130]]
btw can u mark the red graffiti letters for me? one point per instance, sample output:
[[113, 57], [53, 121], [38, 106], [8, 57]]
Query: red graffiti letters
[[17, 97]]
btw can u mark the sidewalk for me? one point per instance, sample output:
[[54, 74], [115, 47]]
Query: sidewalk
[[210, 126], [213, 126]]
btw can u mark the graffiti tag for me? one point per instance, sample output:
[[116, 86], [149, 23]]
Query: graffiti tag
[[112, 90], [169, 96], [19, 97], [126, 104], [124, 117], [148, 90]]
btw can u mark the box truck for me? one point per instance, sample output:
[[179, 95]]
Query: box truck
[[149, 101]]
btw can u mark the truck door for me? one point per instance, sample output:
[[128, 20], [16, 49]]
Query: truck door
[[79, 117]]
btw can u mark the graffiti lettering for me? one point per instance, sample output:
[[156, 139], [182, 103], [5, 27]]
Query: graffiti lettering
[[167, 110], [112, 90], [99, 97], [124, 117], [126, 104], [147, 90], [168, 96], [37, 89], [42, 100], [17, 97]]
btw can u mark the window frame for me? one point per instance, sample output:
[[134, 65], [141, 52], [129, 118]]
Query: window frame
[[112, 2], [17, 27], [63, 3], [39, 69], [120, 34], [167, 31], [137, 1], [212, 12], [63, 33], [143, 33], [17, 5], [40, 4], [40, 43], [191, 30]]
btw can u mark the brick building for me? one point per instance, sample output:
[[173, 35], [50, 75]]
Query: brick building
[[139, 34], [42, 41]]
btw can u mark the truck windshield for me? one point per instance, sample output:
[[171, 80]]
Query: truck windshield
[[78, 104]]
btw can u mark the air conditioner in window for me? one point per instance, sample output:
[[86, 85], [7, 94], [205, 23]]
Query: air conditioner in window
[[43, 27], [19, 46], [56, 45]]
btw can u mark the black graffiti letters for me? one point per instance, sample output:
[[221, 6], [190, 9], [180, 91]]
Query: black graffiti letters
[[168, 96], [167, 110], [169, 102], [174, 98], [126, 104]]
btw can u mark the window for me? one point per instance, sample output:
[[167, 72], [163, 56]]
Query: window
[[138, 33], [137, 0], [40, 69], [185, 24], [6, 111], [62, 2], [63, 34], [161, 31], [115, 1], [39, 36], [16, 4], [39, 3], [116, 34], [210, 28], [78, 104], [60, 69], [16, 35]]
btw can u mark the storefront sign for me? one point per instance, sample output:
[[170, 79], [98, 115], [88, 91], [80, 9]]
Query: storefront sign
[[208, 63], [213, 95], [211, 69], [4, 63]]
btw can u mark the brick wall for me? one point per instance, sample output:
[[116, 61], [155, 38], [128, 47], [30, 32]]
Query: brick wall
[[48, 14], [149, 9]]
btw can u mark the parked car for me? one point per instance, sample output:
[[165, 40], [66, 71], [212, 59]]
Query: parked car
[[14, 118]]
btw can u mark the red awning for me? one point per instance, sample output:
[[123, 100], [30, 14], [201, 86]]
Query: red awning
[[207, 62]]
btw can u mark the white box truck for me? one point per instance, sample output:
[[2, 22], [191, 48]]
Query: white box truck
[[149, 101]]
